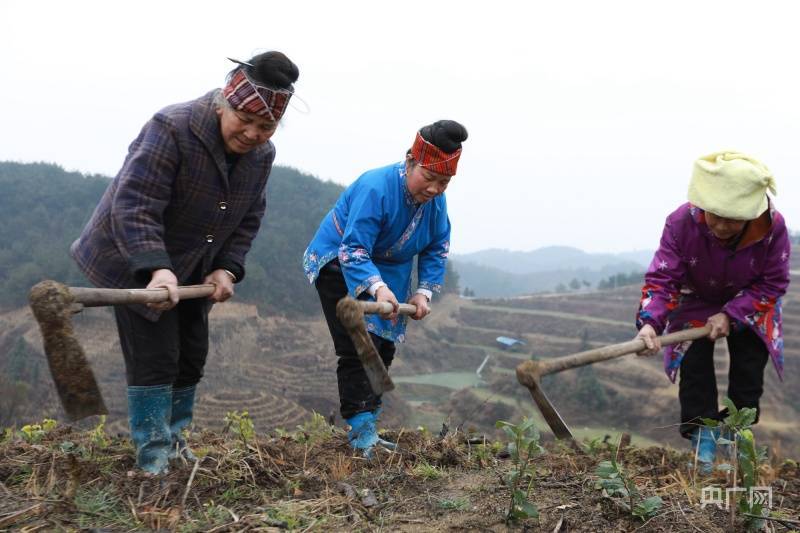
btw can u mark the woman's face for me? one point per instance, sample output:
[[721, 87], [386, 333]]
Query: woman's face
[[423, 184], [241, 131], [724, 228]]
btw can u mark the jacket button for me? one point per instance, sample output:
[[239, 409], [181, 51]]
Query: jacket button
[[223, 206], [209, 238]]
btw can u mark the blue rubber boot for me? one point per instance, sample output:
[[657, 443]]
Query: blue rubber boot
[[385, 443], [704, 444], [149, 412], [182, 409], [363, 433]]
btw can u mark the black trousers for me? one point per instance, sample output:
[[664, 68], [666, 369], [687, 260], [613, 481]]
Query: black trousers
[[355, 392], [698, 384], [172, 350]]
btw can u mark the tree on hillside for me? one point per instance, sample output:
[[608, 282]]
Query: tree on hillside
[[621, 280], [15, 398], [296, 203], [450, 281], [584, 340], [588, 391], [22, 363], [43, 209]]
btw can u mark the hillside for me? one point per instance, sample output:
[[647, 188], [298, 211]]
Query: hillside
[[43, 209], [307, 479], [281, 370]]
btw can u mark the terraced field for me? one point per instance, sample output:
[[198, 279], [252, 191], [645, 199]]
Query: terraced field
[[267, 410], [630, 393], [281, 370]]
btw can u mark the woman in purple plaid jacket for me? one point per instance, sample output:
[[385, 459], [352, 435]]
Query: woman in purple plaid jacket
[[184, 209]]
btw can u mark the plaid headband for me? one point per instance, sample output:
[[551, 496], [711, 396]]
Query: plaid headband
[[433, 158], [244, 95]]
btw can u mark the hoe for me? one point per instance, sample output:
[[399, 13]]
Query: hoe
[[529, 372], [351, 313], [53, 305]]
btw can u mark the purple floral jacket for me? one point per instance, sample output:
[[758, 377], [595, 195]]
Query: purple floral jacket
[[694, 275]]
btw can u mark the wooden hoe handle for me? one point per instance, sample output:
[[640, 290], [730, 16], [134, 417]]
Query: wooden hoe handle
[[94, 297], [377, 308], [618, 350]]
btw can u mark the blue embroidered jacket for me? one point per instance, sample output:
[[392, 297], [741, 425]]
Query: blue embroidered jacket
[[376, 229]]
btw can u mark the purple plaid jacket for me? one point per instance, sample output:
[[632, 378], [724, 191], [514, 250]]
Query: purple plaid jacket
[[173, 204]]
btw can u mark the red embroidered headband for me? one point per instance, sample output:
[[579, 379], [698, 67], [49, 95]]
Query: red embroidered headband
[[245, 95], [433, 158]]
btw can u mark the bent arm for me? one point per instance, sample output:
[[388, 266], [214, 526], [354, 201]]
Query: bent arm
[[143, 193]]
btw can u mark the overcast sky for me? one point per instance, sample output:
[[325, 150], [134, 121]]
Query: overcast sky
[[584, 117]]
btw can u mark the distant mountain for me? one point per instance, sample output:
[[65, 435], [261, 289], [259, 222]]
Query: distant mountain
[[490, 282], [551, 258], [643, 257], [497, 273]]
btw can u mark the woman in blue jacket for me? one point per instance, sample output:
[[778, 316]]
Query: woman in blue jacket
[[365, 247]]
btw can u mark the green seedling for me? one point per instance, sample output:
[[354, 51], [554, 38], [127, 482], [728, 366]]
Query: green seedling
[[98, 434], [34, 433], [745, 458], [523, 447], [456, 504], [427, 471], [615, 483], [241, 425], [314, 431]]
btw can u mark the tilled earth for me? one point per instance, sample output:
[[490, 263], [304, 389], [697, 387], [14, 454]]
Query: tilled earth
[[309, 480]]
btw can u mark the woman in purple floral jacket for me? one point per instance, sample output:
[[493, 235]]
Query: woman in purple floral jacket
[[723, 260]]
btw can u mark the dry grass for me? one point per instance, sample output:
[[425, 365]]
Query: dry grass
[[65, 482]]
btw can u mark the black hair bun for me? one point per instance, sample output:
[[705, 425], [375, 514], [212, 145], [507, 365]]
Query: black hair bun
[[274, 70], [447, 135]]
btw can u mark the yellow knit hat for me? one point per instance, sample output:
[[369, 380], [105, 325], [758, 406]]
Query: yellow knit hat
[[731, 185]]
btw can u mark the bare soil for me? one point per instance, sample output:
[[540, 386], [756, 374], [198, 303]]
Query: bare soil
[[310, 480]]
